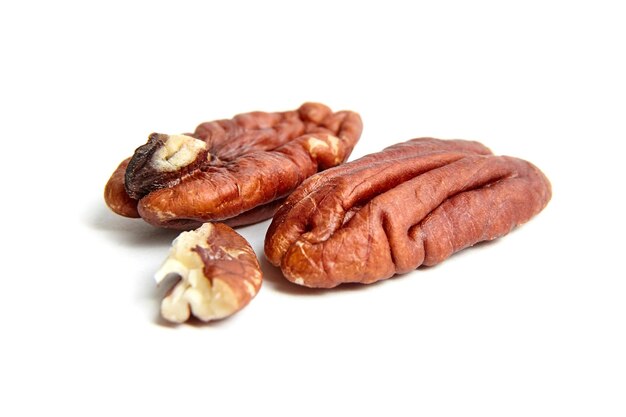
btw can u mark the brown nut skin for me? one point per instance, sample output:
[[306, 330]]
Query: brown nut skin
[[115, 194], [218, 274], [235, 171], [415, 203]]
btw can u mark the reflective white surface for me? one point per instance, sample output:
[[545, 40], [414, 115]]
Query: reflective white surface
[[532, 324]]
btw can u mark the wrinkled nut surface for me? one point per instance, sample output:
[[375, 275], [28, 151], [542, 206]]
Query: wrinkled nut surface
[[236, 171], [217, 271], [415, 203]]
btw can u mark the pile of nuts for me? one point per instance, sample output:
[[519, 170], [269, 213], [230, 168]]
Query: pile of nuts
[[414, 203]]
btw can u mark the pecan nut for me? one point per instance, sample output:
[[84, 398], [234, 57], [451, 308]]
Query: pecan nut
[[236, 171], [415, 203], [115, 194], [218, 274]]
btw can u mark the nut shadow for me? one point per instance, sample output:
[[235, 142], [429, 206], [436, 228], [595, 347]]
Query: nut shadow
[[126, 231], [273, 277]]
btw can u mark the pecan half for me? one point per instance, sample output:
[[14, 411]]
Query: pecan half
[[236, 171], [414, 203], [218, 274]]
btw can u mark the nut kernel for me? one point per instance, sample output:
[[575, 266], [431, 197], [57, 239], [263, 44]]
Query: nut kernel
[[218, 274]]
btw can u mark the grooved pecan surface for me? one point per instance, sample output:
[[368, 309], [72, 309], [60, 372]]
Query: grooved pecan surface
[[236, 171], [414, 203]]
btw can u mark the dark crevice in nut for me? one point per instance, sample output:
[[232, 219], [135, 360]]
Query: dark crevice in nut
[[387, 227], [349, 214], [163, 162]]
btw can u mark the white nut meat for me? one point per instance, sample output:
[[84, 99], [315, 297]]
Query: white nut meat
[[218, 274], [177, 152]]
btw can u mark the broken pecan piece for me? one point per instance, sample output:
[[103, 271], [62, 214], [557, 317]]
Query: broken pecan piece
[[414, 203], [235, 171], [218, 274]]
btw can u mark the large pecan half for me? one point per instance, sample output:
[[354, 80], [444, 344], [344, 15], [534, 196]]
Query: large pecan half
[[217, 270], [414, 203], [236, 170]]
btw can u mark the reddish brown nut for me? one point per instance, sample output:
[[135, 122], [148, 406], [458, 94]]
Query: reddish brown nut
[[235, 170], [414, 203], [218, 274], [115, 195]]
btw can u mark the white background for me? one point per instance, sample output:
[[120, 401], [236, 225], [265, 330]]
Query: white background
[[533, 324]]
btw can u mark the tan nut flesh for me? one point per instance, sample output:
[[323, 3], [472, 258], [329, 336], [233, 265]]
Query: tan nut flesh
[[218, 274]]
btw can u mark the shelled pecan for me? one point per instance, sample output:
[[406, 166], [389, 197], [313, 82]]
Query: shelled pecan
[[236, 171], [217, 270], [415, 203]]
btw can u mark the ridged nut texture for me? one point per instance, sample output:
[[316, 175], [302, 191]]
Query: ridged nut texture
[[237, 171], [415, 203]]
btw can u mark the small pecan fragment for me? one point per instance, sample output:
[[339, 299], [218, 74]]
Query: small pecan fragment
[[414, 203], [218, 274], [236, 171]]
